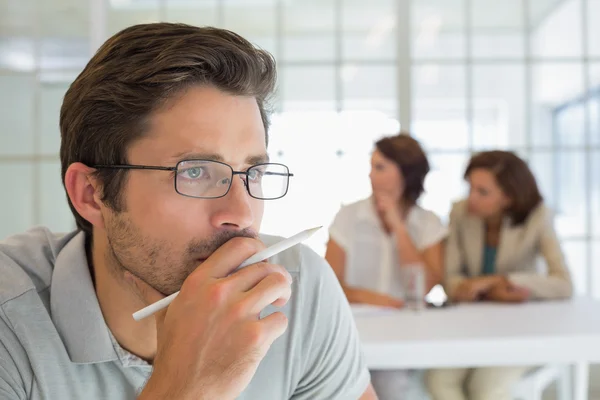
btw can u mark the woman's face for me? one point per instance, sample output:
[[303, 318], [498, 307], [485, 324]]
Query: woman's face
[[386, 177], [486, 198]]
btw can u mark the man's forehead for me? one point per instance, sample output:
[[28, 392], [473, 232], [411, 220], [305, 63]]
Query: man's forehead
[[207, 120], [170, 147]]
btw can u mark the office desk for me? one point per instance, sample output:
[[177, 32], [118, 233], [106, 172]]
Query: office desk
[[484, 334]]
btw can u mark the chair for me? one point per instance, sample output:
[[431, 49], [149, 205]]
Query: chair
[[532, 385]]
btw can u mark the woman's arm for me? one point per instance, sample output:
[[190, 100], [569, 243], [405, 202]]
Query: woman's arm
[[336, 257], [455, 280], [556, 284], [432, 257]]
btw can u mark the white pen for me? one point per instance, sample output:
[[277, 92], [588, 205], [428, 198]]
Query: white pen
[[260, 256]]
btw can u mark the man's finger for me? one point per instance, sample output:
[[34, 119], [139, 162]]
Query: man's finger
[[247, 278], [272, 288], [228, 257], [275, 325]]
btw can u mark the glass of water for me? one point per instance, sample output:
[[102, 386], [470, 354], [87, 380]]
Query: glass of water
[[413, 283]]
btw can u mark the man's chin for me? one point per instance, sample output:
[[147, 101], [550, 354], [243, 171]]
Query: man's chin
[[168, 288]]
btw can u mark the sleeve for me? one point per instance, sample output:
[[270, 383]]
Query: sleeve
[[556, 284], [334, 366], [453, 255], [341, 228], [433, 232], [11, 382]]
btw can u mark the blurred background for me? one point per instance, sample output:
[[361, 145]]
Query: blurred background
[[460, 75]]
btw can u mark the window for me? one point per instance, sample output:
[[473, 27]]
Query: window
[[462, 76]]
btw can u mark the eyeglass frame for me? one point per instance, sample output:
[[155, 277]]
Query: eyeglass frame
[[176, 167]]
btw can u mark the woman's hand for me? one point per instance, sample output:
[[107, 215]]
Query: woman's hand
[[506, 292], [475, 288], [389, 207]]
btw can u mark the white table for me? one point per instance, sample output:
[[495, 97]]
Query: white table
[[484, 334]]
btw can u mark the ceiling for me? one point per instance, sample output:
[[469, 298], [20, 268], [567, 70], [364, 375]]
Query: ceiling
[[63, 26], [60, 18]]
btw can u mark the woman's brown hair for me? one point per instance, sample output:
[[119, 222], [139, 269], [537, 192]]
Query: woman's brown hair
[[514, 178], [409, 156]]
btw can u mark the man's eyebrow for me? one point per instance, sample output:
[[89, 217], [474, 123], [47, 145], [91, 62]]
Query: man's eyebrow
[[251, 160], [186, 155], [259, 159]]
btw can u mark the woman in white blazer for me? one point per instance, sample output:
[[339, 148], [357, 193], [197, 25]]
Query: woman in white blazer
[[496, 238]]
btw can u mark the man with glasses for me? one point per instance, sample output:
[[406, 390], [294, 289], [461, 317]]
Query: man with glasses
[[165, 166]]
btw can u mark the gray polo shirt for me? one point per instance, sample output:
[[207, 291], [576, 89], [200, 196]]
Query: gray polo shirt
[[54, 343]]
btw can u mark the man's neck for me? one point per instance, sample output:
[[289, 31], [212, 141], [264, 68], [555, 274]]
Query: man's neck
[[118, 301]]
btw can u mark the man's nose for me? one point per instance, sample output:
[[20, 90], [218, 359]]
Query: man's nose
[[234, 210]]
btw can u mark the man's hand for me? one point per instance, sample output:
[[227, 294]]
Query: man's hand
[[506, 292], [475, 288], [210, 339]]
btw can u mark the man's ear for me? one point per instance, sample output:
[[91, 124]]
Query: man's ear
[[85, 193]]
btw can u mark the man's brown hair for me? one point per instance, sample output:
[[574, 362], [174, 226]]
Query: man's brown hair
[[408, 155], [514, 178], [136, 72]]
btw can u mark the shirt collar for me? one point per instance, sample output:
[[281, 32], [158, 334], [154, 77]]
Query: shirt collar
[[76, 312], [367, 212]]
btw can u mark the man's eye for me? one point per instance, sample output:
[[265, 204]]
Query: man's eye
[[193, 173], [255, 174]]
